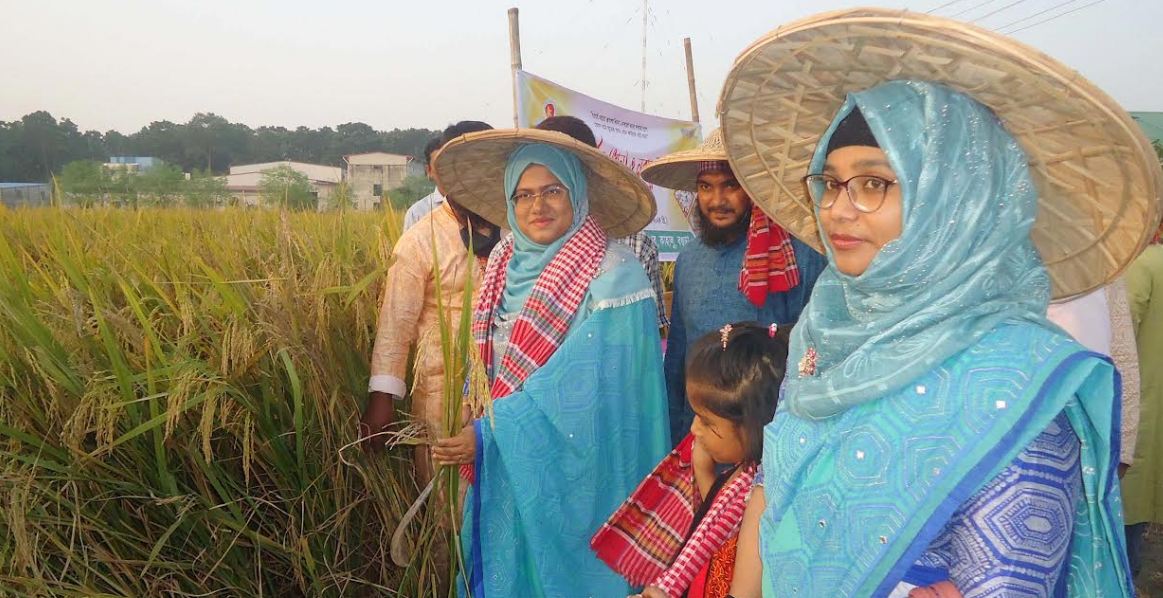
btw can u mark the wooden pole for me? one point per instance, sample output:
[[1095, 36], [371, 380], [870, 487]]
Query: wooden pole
[[690, 78], [514, 56]]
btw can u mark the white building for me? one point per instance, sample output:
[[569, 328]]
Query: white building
[[243, 180], [25, 195], [372, 174], [131, 164]]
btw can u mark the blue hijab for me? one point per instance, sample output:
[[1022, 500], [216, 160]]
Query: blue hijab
[[964, 262], [531, 258]]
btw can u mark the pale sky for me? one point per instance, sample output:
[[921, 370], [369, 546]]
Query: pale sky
[[389, 63]]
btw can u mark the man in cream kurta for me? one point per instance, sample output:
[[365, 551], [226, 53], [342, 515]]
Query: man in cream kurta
[[409, 317]]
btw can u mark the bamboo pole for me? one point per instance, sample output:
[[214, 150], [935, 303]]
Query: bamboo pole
[[514, 56], [690, 78]]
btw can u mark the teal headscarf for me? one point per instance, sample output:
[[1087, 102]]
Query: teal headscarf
[[530, 258], [963, 264]]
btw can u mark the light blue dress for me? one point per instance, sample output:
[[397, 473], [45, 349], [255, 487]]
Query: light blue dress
[[561, 454]]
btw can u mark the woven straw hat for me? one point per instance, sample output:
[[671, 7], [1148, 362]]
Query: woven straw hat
[[1097, 176], [471, 171], [681, 169]]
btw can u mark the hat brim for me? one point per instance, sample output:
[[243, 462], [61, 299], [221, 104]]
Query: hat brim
[[680, 170], [471, 171], [1098, 178]]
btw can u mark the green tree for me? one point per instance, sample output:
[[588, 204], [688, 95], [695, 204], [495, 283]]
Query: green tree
[[412, 189], [204, 190], [288, 188], [212, 142], [161, 139], [38, 144], [85, 182], [45, 141], [159, 186]]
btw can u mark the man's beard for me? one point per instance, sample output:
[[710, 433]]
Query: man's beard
[[714, 236]]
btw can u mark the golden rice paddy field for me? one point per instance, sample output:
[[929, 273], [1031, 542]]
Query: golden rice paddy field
[[178, 395]]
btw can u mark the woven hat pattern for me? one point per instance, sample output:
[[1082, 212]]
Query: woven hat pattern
[[471, 171], [1098, 178], [680, 169]]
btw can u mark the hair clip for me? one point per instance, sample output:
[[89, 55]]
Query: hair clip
[[724, 334], [771, 330]]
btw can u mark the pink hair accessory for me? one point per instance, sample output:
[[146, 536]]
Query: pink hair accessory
[[771, 330], [724, 334]]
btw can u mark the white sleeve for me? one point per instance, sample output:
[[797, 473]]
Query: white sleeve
[[1087, 319]]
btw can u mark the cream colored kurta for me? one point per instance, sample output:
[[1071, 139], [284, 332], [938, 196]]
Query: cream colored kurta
[[1125, 354], [409, 315]]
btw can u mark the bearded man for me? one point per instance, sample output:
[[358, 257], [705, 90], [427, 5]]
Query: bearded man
[[741, 266]]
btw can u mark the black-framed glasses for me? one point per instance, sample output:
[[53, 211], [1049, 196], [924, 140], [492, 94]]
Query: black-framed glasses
[[865, 191], [553, 194]]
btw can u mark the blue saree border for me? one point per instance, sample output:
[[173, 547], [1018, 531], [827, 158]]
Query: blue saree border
[[476, 582]]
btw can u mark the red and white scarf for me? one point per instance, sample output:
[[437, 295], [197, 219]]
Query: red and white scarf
[[547, 313], [769, 265], [645, 540], [545, 318]]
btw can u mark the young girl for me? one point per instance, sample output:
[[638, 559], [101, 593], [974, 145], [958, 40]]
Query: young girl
[[676, 534]]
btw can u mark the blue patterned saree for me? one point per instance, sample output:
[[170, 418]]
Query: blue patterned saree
[[560, 454], [931, 372]]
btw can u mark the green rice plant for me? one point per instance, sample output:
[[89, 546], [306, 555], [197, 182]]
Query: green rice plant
[[177, 389], [464, 392]]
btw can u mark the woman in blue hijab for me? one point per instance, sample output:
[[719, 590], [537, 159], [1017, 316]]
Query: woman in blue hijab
[[566, 323], [934, 428]]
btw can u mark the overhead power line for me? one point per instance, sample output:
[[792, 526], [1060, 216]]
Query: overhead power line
[[994, 12], [1035, 15], [947, 4], [971, 8], [1058, 16]]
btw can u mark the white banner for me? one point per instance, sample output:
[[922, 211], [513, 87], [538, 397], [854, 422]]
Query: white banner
[[630, 137]]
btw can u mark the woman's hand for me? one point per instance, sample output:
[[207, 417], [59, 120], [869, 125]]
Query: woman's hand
[[458, 449], [650, 592]]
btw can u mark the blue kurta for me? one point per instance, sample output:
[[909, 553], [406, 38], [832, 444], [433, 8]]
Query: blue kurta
[[563, 451], [706, 297]]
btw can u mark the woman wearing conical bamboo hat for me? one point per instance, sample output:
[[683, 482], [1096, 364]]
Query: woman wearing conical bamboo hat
[[934, 426], [567, 328]]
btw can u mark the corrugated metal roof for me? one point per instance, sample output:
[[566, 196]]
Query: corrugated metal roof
[[377, 159], [315, 172]]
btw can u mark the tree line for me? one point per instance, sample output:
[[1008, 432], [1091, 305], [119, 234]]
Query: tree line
[[38, 145]]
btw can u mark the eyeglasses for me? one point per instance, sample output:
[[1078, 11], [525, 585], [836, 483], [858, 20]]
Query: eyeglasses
[[866, 192], [551, 194]]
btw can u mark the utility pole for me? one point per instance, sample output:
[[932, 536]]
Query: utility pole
[[514, 56], [690, 78]]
